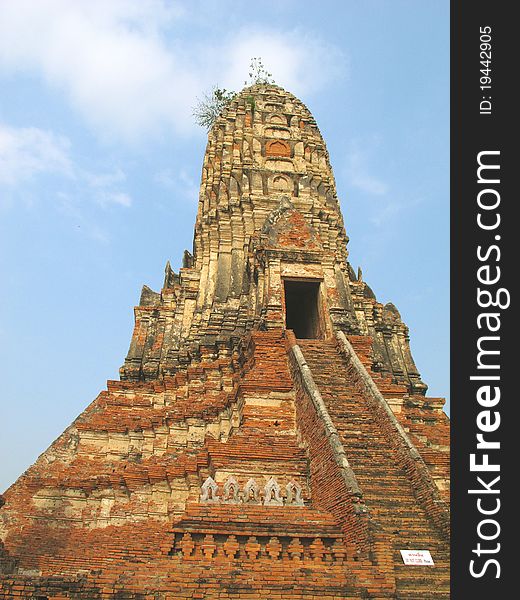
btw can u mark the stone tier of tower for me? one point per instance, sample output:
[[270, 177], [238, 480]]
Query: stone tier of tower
[[234, 459]]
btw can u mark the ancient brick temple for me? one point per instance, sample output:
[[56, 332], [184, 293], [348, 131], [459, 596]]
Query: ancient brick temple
[[269, 436]]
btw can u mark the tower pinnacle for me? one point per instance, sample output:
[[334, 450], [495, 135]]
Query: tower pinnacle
[[268, 216]]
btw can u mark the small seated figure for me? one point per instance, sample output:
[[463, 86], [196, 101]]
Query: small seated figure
[[209, 491], [272, 495], [252, 492], [231, 491], [294, 494]]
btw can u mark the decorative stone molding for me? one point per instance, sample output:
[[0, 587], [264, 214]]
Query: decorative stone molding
[[277, 148], [252, 493], [294, 494], [231, 489], [270, 495], [209, 491], [205, 546]]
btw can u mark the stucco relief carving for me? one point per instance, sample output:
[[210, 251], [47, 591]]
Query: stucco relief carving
[[209, 491], [277, 148], [272, 493], [252, 493], [294, 494], [231, 490]]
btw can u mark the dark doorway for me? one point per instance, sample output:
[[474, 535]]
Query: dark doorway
[[302, 309]]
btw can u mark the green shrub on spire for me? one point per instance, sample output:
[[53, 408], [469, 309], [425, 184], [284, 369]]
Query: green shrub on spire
[[258, 73], [213, 103]]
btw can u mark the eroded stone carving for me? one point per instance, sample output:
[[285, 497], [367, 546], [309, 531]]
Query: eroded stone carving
[[231, 490], [272, 493], [199, 547], [252, 492], [294, 494], [209, 491], [277, 148]]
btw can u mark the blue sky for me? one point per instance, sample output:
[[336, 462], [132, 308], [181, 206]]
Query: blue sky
[[100, 163]]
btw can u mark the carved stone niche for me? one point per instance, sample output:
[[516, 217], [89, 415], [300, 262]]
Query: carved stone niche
[[281, 183], [278, 119], [294, 494], [209, 491], [277, 148], [252, 493], [272, 494], [231, 489]]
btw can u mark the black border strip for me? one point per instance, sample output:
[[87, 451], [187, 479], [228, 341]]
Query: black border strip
[[473, 131]]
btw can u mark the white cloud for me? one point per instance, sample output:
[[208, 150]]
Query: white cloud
[[125, 68], [27, 151], [386, 212], [298, 61], [102, 180], [360, 165], [119, 198], [70, 206], [364, 158], [358, 172], [108, 58]]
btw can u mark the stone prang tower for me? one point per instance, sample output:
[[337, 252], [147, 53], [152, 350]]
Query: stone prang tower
[[269, 436]]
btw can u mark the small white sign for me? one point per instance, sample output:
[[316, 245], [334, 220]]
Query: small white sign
[[417, 558]]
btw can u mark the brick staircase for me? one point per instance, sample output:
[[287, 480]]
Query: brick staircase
[[386, 488]]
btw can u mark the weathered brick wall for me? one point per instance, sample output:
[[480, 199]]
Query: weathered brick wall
[[396, 517], [128, 547], [325, 548], [146, 561]]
